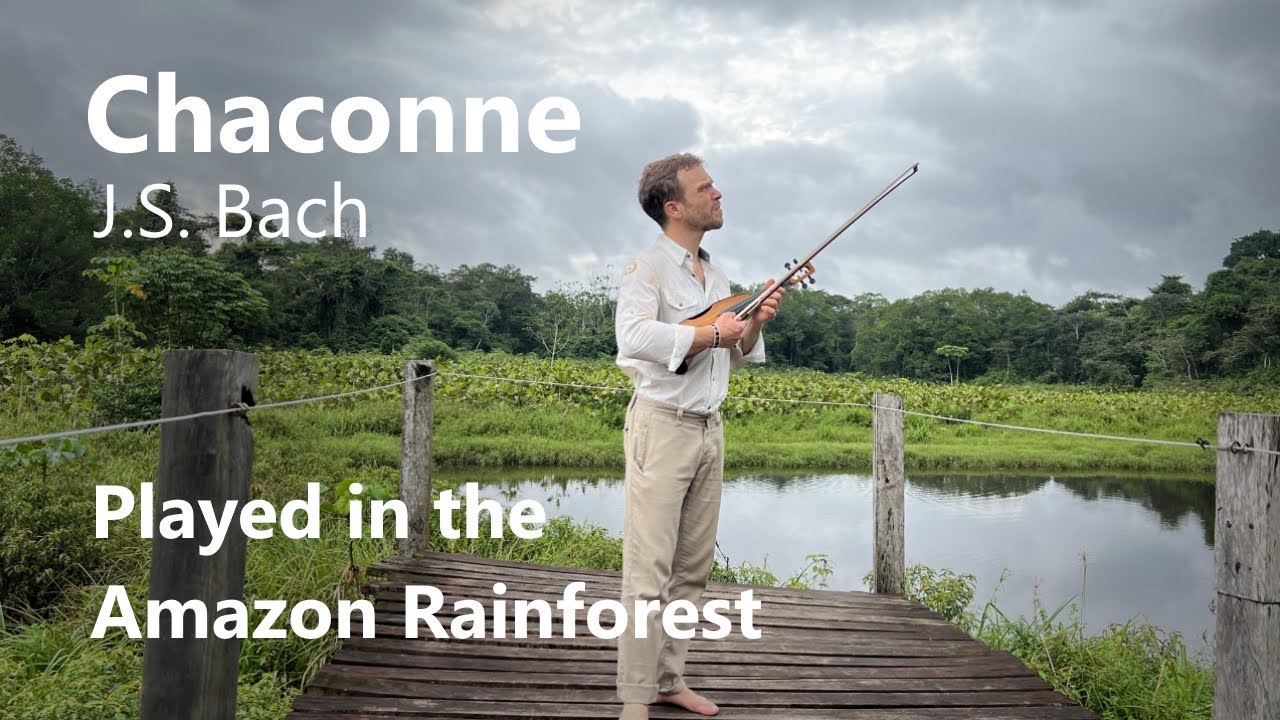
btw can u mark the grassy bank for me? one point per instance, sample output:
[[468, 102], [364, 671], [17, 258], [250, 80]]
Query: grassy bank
[[495, 410], [778, 419], [1127, 672], [55, 572]]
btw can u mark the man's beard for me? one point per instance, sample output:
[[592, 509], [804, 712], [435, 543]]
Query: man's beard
[[703, 223]]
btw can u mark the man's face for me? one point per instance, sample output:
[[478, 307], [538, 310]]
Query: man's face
[[701, 203]]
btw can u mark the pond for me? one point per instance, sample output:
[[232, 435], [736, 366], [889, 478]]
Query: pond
[[1120, 548]]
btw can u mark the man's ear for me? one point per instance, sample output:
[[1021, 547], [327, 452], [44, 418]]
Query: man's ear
[[673, 209]]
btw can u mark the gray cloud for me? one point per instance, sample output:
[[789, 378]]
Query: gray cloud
[[1120, 144], [1063, 146]]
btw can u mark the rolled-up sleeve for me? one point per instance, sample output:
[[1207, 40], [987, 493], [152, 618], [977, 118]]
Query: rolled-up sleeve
[[737, 358], [640, 335]]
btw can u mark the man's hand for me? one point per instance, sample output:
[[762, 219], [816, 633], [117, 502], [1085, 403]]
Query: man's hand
[[733, 331], [768, 309]]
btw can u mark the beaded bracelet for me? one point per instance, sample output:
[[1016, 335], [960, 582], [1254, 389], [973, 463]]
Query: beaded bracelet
[[715, 343]]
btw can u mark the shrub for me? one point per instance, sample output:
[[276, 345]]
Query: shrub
[[429, 348], [136, 397], [945, 592], [46, 534]]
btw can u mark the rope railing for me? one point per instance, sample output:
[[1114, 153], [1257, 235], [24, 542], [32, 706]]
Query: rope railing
[[244, 408], [238, 408]]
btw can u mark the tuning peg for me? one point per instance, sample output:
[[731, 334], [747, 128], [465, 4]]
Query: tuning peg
[[795, 261], [811, 280], [786, 265]]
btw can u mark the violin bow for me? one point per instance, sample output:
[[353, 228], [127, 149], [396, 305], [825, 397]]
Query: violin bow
[[796, 267]]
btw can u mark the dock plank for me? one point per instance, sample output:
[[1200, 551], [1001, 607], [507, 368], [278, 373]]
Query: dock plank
[[823, 655]]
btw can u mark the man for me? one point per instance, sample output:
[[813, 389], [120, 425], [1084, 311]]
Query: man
[[674, 441]]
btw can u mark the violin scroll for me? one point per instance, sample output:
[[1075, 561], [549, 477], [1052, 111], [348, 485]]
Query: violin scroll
[[803, 276]]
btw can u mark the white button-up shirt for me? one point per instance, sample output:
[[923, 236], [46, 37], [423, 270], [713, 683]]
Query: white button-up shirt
[[657, 291]]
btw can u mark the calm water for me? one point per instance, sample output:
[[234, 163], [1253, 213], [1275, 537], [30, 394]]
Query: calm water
[[1135, 548]]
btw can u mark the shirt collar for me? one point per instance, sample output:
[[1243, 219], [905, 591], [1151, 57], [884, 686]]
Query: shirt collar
[[677, 253]]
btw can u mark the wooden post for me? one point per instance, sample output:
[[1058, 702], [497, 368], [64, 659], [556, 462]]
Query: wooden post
[[1247, 575], [183, 677], [415, 454], [889, 477]]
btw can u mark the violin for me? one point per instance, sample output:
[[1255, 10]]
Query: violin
[[744, 305]]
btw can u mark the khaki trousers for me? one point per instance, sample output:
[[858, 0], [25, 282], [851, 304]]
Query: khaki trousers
[[675, 470]]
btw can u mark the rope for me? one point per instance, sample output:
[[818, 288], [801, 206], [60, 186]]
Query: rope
[[237, 408], [615, 388], [242, 408], [1048, 431], [832, 403]]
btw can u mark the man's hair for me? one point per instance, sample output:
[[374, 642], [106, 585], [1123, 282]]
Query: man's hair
[[658, 184]]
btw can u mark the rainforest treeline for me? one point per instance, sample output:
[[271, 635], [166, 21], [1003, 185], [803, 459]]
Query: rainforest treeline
[[57, 280]]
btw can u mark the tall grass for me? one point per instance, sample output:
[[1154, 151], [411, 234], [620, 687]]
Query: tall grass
[[50, 668], [1129, 671]]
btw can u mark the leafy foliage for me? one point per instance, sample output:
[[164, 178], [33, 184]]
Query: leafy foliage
[[130, 398], [44, 455], [339, 294], [64, 376], [45, 543], [1128, 672], [46, 240], [54, 667], [429, 348], [953, 352]]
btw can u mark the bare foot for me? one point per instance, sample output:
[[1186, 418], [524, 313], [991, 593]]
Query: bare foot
[[691, 701], [631, 711]]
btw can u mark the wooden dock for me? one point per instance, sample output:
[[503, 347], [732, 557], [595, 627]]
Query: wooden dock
[[823, 654]]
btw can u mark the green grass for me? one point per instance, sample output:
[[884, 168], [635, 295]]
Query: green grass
[[1130, 671], [51, 669], [493, 423], [555, 434]]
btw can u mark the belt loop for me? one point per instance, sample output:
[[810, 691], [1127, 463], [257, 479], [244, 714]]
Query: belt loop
[[679, 416]]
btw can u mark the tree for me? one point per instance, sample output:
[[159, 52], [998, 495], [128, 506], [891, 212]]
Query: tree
[[1005, 348], [1234, 298], [344, 295], [576, 319], [494, 306], [46, 240], [1168, 300], [182, 300], [1257, 345], [334, 293], [1261, 245], [956, 353], [813, 329], [901, 338], [593, 306], [553, 324]]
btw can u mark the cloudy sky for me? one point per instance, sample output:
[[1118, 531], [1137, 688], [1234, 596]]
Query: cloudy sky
[[1063, 145]]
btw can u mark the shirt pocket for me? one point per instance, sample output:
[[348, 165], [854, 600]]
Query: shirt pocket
[[681, 303]]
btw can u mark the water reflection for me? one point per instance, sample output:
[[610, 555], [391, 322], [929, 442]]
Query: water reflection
[[1120, 547]]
